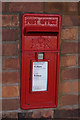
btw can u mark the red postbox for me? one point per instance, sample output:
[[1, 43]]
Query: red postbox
[[40, 60]]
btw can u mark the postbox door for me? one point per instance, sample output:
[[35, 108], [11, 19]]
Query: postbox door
[[39, 98]]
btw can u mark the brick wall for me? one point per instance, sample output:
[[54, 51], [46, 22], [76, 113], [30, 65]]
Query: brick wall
[[11, 51]]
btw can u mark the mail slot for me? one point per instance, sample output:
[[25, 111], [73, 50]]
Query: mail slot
[[40, 60]]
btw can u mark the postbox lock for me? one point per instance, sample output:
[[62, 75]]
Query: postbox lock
[[41, 55]]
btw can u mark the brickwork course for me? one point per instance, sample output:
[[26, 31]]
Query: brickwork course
[[69, 81]]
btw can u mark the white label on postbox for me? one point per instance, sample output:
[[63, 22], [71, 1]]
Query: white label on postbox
[[40, 76]]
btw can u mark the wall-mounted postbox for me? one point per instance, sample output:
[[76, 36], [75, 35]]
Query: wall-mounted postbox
[[40, 60]]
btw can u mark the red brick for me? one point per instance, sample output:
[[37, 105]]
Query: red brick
[[10, 91], [53, 6], [0, 102], [18, 46], [25, 7], [61, 7], [79, 34], [69, 47], [1, 77], [68, 113], [65, 87], [10, 20], [70, 6], [0, 49], [79, 20], [10, 115], [68, 60], [10, 63], [70, 20], [79, 8], [10, 104], [69, 74], [75, 85], [10, 49], [10, 77], [3, 6], [79, 100], [69, 34], [79, 46], [10, 35], [68, 100], [43, 114], [0, 22], [79, 60]]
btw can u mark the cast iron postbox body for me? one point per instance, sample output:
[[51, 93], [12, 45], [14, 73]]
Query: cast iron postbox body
[[40, 60]]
